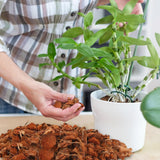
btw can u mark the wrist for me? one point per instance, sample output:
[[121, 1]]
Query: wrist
[[25, 83]]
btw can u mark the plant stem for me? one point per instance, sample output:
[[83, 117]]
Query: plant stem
[[135, 49], [105, 80], [127, 55], [73, 78], [144, 83], [115, 47]]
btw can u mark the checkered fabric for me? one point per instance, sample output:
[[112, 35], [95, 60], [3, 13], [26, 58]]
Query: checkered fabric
[[26, 28]]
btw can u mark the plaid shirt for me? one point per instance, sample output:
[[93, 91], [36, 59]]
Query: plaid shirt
[[26, 28]]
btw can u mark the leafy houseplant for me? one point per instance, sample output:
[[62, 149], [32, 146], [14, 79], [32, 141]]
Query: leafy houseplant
[[112, 64]]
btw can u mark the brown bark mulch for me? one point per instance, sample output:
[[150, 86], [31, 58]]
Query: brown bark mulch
[[65, 142], [69, 103]]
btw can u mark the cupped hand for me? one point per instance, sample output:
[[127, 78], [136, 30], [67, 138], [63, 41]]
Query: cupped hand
[[43, 97]]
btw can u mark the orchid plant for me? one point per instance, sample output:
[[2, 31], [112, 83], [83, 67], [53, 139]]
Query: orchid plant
[[113, 63]]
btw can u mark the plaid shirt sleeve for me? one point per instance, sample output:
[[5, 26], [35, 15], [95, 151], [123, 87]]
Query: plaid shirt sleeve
[[3, 47], [26, 28]]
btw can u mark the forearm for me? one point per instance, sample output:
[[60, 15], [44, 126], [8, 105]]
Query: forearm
[[12, 73]]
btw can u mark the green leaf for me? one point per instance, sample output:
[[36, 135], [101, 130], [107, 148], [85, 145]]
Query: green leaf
[[43, 64], [67, 46], [65, 40], [129, 6], [157, 35], [114, 11], [103, 79], [87, 34], [100, 53], [73, 32], [135, 58], [85, 50], [81, 14], [76, 82], [66, 43], [153, 53], [133, 41], [61, 64], [86, 75], [51, 51], [95, 37], [143, 60], [131, 19], [107, 35], [150, 107], [88, 19], [43, 55], [87, 65], [75, 62], [56, 78], [117, 78], [131, 27], [113, 3], [105, 20], [107, 64], [147, 62], [107, 49]]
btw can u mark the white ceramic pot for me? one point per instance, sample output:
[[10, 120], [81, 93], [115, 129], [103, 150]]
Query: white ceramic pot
[[122, 121]]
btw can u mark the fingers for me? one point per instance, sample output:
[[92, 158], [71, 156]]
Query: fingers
[[65, 119], [138, 9], [62, 115], [61, 96], [49, 97]]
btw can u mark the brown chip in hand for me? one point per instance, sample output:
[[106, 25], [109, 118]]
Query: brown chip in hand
[[69, 103]]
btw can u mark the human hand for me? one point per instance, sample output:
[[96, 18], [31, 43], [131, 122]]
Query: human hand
[[137, 9], [121, 3], [43, 97]]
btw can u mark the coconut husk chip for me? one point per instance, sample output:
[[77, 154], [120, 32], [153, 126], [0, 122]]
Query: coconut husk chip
[[69, 103], [64, 142]]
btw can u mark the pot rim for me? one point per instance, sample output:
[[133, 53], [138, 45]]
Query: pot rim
[[102, 93]]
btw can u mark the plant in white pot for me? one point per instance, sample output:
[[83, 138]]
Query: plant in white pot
[[112, 64]]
